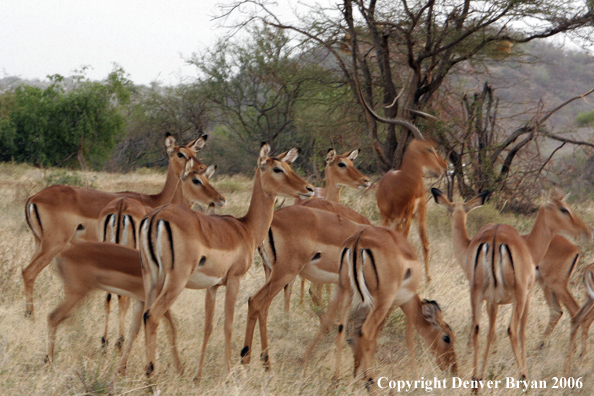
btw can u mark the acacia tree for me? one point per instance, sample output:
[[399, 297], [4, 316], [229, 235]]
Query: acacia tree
[[402, 52]]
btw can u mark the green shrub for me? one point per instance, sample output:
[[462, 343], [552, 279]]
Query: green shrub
[[69, 178]]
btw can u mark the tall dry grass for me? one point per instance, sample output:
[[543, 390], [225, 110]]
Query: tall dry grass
[[80, 367]]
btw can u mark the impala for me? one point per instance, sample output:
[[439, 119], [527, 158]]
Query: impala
[[180, 249], [339, 171], [57, 213], [401, 193], [119, 219], [301, 241], [88, 266], [584, 318], [500, 266], [379, 270]]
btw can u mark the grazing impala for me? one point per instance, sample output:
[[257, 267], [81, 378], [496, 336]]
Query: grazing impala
[[57, 213], [500, 266], [583, 318], [180, 249], [378, 271], [118, 222]]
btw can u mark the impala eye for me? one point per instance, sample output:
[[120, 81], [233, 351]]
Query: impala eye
[[180, 155], [277, 170], [564, 211], [446, 339], [341, 165], [196, 181]]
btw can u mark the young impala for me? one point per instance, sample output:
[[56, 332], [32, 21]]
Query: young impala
[[180, 249], [119, 220], [57, 213], [500, 266]]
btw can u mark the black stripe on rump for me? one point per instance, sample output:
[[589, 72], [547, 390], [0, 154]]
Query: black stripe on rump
[[355, 268], [478, 252], [105, 227], [373, 264], [170, 236], [493, 259], [577, 256], [271, 242]]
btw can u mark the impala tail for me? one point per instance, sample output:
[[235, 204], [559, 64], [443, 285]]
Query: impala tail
[[496, 259], [357, 260], [33, 219]]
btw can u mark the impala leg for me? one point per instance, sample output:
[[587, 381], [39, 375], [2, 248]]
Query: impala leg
[[173, 340], [153, 316], [476, 300], [492, 309], [288, 289], [232, 288], [585, 322], [49, 248], [327, 320], [57, 316], [137, 312], [520, 308], [209, 306], [367, 338], [555, 313], [578, 319], [258, 311], [422, 225], [123, 304], [107, 312], [344, 303], [302, 291]]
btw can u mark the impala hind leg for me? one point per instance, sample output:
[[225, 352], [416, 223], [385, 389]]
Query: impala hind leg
[[492, 309], [257, 304], [107, 312], [517, 331], [173, 341], [153, 316], [123, 305], [422, 227], [49, 247], [58, 315], [585, 314], [555, 313], [137, 312]]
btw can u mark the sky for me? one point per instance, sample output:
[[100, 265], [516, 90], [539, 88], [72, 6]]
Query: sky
[[149, 39]]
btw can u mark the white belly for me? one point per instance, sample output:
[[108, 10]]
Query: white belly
[[314, 274], [200, 281]]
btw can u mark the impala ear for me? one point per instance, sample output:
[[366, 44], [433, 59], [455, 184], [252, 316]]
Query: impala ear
[[431, 312], [291, 155], [264, 151], [476, 201], [440, 198], [353, 154], [197, 144], [188, 169], [330, 156], [169, 144], [210, 171]]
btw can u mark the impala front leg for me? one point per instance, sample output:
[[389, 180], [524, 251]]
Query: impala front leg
[[209, 306], [232, 288]]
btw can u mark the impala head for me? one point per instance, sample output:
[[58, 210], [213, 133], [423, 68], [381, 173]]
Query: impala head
[[196, 186], [440, 337], [560, 217], [423, 152], [459, 210], [278, 178], [179, 155], [341, 171]]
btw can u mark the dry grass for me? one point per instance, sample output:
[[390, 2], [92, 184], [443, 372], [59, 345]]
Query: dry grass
[[81, 368]]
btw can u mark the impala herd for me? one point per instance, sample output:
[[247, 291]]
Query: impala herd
[[151, 247]]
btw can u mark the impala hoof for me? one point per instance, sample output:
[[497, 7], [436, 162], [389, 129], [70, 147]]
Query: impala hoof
[[120, 343]]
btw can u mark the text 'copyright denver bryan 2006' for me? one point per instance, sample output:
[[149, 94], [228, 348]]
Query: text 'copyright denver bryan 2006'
[[458, 383]]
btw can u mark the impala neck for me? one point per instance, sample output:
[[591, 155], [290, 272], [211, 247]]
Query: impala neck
[[332, 189], [460, 237], [539, 238], [171, 192], [260, 212], [410, 166], [421, 324]]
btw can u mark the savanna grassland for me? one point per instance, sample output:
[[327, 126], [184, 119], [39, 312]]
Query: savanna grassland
[[80, 366]]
